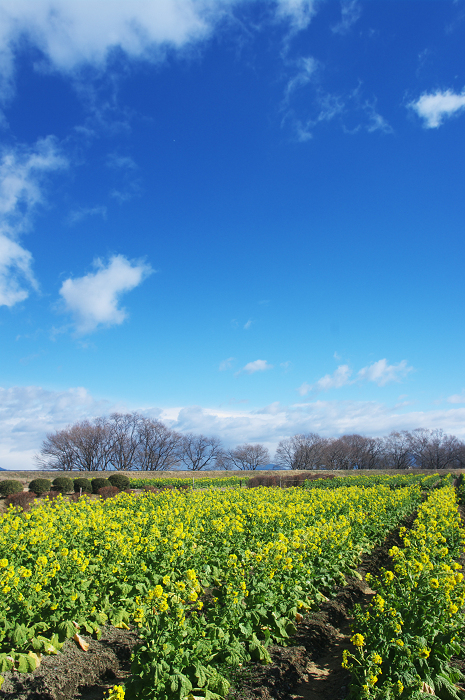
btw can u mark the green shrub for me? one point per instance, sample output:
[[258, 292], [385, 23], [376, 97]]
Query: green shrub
[[99, 483], [121, 481], [8, 487], [63, 484], [40, 486], [82, 483]]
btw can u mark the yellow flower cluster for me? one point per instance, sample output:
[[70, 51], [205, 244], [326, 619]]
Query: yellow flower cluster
[[186, 555], [419, 600]]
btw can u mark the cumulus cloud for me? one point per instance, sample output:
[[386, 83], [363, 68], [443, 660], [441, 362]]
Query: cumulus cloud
[[340, 377], [93, 300], [379, 372], [22, 180], [255, 366], [433, 108], [73, 33]]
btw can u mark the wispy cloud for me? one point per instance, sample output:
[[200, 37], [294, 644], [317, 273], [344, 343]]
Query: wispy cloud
[[248, 324], [352, 112], [435, 107], [380, 372], [93, 300], [306, 69], [117, 161], [226, 364], [457, 398], [350, 14], [255, 366], [299, 13], [22, 181], [83, 212]]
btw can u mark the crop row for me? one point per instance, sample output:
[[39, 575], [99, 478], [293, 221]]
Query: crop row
[[404, 640], [196, 482], [211, 578], [393, 481]]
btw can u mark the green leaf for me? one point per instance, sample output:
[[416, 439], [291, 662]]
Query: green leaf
[[25, 663]]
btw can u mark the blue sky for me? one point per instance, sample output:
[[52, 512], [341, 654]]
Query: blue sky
[[243, 218]]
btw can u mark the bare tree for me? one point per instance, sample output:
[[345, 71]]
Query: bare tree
[[433, 449], [336, 454], [199, 451], [361, 452], [124, 440], [396, 450], [247, 456], [57, 452], [301, 451], [83, 446], [159, 448]]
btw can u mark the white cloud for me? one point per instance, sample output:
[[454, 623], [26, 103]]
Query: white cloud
[[22, 174], [352, 111], [272, 423], [15, 270], [350, 13], [307, 67], [381, 373], [298, 12], [83, 212], [255, 366], [93, 300], [28, 413], [340, 377], [248, 324], [226, 364], [72, 32], [125, 162], [435, 107], [456, 398]]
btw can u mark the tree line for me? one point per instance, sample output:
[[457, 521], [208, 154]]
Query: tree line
[[132, 442]]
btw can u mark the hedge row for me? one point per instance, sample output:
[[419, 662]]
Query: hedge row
[[63, 484]]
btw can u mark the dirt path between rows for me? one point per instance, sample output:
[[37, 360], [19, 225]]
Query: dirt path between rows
[[311, 668]]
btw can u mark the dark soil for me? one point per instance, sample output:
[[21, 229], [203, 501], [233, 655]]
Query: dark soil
[[75, 673]]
